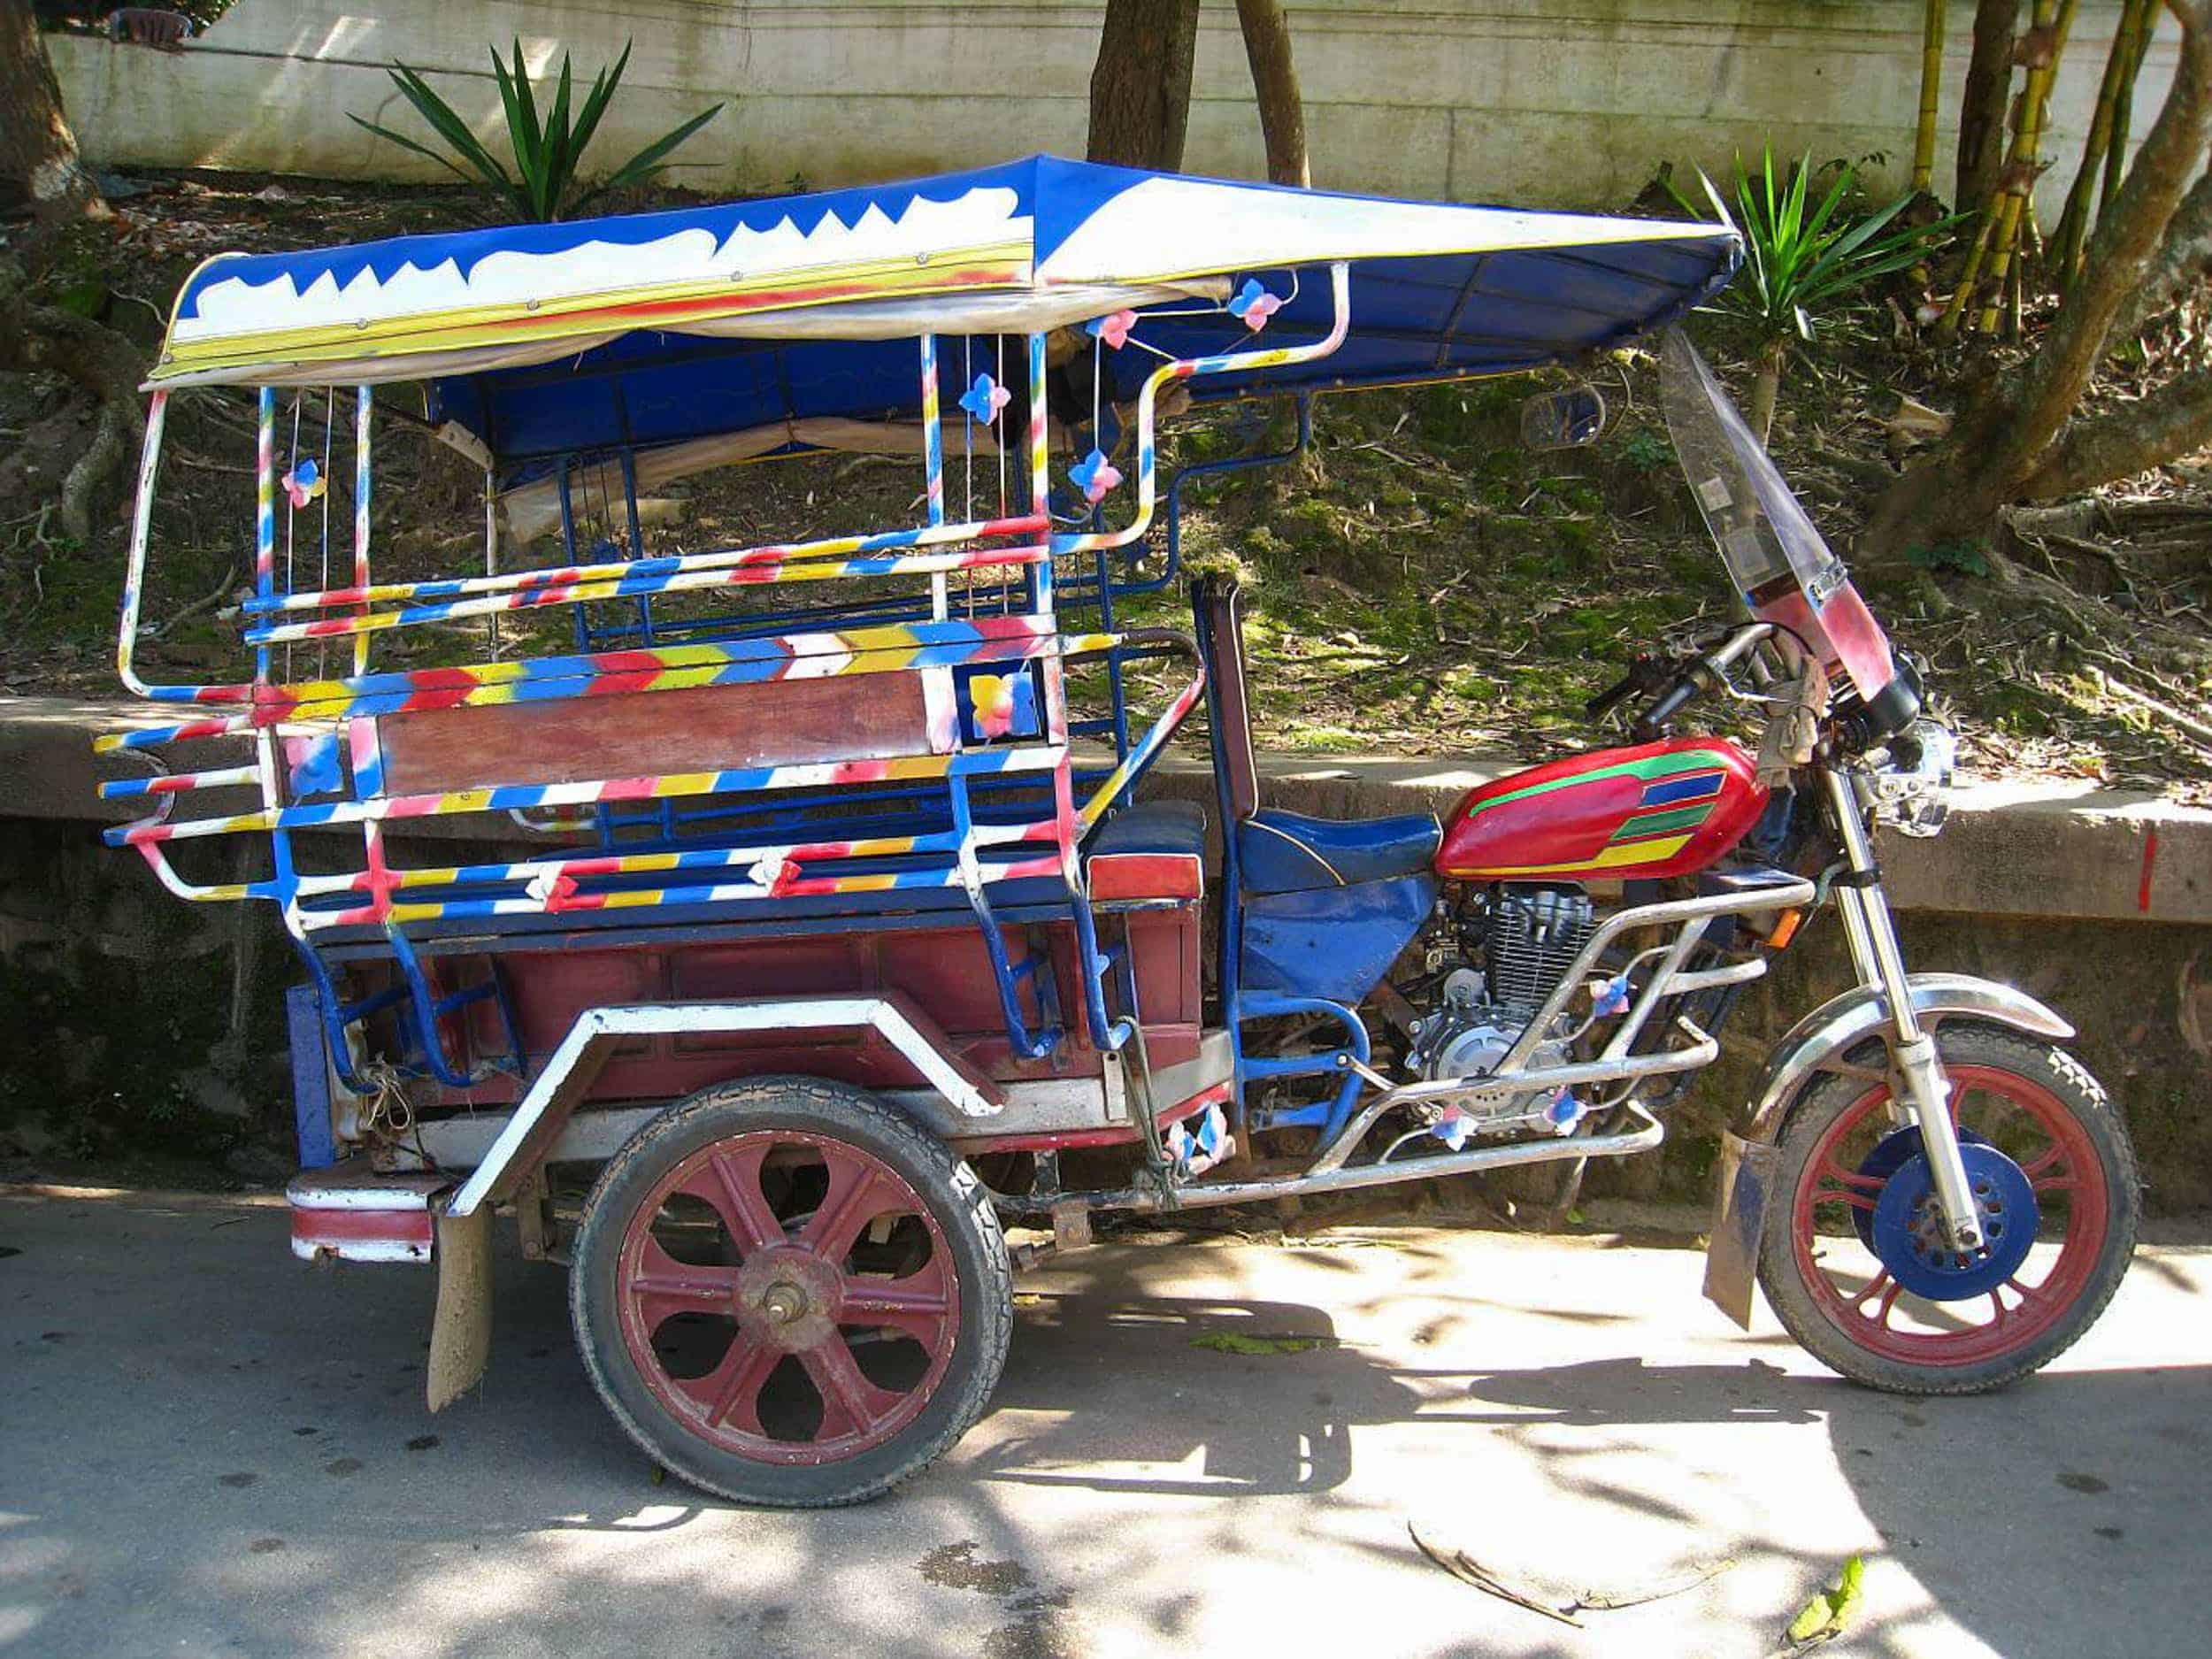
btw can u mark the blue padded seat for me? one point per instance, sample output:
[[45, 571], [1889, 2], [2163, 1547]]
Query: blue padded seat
[[1152, 827], [1286, 852]]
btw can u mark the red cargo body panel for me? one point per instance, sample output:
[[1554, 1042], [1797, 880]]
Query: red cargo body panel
[[945, 971]]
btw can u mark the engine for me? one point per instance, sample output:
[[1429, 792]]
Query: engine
[[1515, 945]]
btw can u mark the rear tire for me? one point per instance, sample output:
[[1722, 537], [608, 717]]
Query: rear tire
[[790, 1296], [2034, 1102]]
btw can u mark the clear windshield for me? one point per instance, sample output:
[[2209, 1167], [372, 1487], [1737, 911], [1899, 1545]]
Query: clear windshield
[[1786, 573]]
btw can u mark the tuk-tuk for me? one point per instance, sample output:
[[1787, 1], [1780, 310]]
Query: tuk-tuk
[[847, 920]]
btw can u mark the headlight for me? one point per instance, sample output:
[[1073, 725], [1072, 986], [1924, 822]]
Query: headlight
[[1910, 783]]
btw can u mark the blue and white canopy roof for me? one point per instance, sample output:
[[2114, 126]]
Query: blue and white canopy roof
[[1440, 291]]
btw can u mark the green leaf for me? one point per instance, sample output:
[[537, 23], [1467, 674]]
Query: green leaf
[[1829, 1610], [647, 160], [406, 142], [595, 101], [545, 148], [522, 116], [562, 149], [449, 124]]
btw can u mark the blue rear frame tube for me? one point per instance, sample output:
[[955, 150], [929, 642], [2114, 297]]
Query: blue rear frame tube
[[1236, 1006]]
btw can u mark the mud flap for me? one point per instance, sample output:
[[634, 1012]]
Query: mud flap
[[1739, 1204], [461, 1330]]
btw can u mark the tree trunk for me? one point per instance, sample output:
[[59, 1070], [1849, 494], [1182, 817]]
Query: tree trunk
[[2003, 447], [1766, 386], [38, 152], [1983, 105], [1275, 80], [44, 337], [2174, 420], [2183, 256], [1140, 86]]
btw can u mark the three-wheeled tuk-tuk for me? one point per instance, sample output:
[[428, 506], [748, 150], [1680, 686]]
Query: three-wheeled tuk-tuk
[[846, 916]]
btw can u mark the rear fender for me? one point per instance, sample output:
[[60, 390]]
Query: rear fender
[[569, 1072], [1834, 1028]]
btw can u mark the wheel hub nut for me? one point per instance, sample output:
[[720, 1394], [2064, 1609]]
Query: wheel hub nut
[[783, 1303]]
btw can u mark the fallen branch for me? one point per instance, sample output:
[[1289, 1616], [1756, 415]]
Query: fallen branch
[[2195, 727], [1548, 1600]]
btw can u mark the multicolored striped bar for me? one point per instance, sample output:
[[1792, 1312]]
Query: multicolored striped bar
[[135, 567], [632, 585], [884, 648], [1191, 368], [515, 797], [1142, 755], [265, 514], [554, 882], [1040, 462], [363, 401], [674, 564]]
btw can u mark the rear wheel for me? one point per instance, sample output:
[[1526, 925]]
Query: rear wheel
[[788, 1294], [1853, 1261]]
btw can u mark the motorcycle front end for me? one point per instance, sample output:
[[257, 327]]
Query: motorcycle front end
[[1935, 1194]]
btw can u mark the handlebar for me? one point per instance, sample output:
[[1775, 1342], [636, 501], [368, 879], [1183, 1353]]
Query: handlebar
[[1673, 687]]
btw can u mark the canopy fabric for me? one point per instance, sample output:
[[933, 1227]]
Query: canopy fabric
[[665, 327]]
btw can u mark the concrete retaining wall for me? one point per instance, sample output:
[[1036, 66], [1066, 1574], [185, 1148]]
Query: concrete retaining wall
[[1566, 103], [129, 1018]]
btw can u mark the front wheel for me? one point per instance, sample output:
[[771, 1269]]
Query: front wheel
[[788, 1294], [1853, 1261]]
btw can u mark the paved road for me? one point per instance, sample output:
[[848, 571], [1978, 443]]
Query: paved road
[[207, 1449]]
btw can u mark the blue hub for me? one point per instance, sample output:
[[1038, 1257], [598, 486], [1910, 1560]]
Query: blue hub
[[1889, 1155], [1907, 1231]]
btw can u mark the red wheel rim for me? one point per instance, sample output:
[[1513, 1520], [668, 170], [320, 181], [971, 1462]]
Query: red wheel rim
[[1857, 1294], [780, 1243]]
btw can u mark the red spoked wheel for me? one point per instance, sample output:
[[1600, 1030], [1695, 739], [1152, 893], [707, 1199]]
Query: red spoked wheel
[[788, 1294], [1868, 1286]]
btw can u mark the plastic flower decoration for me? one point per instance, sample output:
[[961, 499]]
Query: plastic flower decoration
[[1005, 705], [315, 765], [985, 399], [1255, 304], [1095, 475], [1113, 327], [304, 482]]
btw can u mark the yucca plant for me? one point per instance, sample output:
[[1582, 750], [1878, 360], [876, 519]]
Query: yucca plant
[[1803, 257], [547, 182]]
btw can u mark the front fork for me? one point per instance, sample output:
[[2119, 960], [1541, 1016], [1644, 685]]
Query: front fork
[[1872, 938]]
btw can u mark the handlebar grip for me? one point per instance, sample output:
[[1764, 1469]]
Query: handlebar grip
[[1652, 722]]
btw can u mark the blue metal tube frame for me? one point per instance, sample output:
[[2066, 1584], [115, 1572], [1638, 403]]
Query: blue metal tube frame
[[1237, 1004]]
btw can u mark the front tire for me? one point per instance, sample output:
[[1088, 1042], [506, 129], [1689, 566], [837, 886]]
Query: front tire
[[790, 1296], [1844, 1303]]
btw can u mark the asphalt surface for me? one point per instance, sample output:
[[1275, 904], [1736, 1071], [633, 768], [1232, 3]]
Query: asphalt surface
[[207, 1448]]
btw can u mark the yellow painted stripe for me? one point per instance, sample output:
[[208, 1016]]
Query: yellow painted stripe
[[1611, 858], [460, 327]]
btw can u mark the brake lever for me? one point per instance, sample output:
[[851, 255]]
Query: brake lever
[[1644, 674]]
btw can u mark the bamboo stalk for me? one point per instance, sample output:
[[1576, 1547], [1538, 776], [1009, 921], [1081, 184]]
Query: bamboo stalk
[[1930, 87], [2123, 111], [1954, 310], [2073, 225], [2045, 41]]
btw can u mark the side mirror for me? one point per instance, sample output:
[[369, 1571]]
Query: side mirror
[[1562, 420]]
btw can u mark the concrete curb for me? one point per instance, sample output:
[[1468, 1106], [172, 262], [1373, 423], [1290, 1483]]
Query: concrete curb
[[2018, 849]]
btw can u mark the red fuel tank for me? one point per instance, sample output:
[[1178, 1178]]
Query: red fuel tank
[[1664, 808]]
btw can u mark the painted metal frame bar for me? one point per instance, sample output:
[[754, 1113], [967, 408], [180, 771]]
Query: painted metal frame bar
[[554, 1090], [1191, 368]]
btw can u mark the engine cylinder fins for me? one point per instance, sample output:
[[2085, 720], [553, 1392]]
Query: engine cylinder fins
[[1529, 939]]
